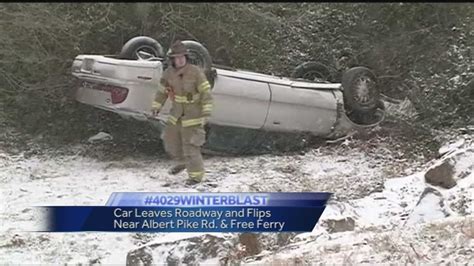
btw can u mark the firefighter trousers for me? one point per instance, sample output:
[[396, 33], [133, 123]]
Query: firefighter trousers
[[183, 144]]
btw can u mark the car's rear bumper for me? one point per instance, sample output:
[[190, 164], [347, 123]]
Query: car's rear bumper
[[158, 122]]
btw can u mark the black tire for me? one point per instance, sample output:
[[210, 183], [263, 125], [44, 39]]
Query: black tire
[[141, 43], [198, 55], [312, 71], [361, 92]]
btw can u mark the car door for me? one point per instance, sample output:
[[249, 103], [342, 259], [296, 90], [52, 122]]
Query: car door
[[294, 109], [239, 100]]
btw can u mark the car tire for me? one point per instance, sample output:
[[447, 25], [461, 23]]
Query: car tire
[[200, 56], [312, 71], [361, 92], [141, 43]]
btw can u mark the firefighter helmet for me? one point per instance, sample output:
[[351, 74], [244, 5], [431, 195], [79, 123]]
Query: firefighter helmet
[[177, 49]]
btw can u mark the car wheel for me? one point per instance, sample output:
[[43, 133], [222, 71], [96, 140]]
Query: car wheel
[[133, 48], [361, 93], [312, 71], [200, 56]]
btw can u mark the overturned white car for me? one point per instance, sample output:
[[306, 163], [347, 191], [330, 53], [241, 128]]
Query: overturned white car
[[126, 84]]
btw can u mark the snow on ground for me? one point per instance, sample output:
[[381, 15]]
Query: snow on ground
[[380, 206], [408, 222], [447, 241]]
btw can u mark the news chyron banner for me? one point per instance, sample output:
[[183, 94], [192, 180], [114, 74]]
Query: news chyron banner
[[192, 212]]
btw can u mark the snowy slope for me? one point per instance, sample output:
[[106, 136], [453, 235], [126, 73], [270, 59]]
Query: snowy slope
[[386, 213]]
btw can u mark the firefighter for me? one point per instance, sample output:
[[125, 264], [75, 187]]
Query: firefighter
[[190, 92]]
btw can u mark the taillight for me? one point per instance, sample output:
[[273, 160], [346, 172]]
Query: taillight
[[118, 94]]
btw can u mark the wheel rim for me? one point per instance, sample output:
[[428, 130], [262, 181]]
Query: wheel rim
[[145, 49], [364, 89]]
